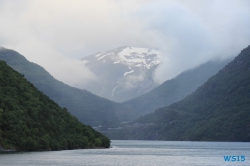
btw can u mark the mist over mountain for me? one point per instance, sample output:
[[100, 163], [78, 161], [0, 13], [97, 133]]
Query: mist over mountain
[[123, 73], [175, 89], [87, 107], [219, 110]]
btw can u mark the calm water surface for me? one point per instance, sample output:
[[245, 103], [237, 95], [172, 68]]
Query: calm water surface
[[138, 153]]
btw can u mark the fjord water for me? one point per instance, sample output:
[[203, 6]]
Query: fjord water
[[137, 153]]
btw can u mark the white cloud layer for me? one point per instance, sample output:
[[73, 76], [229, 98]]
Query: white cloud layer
[[193, 32], [56, 33]]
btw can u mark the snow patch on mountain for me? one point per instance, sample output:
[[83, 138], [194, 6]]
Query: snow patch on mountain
[[123, 72], [140, 57], [130, 51], [128, 72], [113, 91], [99, 54], [117, 62], [104, 55]]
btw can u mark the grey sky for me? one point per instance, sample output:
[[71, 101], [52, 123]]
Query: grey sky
[[56, 33]]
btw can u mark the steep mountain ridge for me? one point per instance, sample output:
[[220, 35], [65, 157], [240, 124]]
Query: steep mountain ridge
[[30, 121], [219, 110], [123, 73], [175, 89], [88, 108]]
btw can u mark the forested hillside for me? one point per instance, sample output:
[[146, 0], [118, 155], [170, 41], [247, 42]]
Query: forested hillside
[[217, 111], [175, 89], [30, 121], [88, 108]]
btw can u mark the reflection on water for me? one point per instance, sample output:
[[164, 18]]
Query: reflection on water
[[137, 153]]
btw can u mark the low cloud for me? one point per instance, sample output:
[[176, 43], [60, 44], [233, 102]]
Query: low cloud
[[132, 82], [193, 32], [69, 70], [56, 33]]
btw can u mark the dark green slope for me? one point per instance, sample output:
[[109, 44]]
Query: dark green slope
[[217, 111], [88, 108], [29, 120], [175, 89]]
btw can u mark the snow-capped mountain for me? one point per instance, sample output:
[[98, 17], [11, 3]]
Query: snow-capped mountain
[[123, 73]]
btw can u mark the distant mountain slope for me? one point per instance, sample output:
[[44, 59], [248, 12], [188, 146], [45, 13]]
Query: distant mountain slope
[[123, 73], [219, 110], [88, 108], [29, 120], [175, 89]]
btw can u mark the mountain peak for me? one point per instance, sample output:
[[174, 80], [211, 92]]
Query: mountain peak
[[219, 110], [130, 56], [126, 71]]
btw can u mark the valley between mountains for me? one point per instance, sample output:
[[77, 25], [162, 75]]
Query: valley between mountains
[[206, 103], [219, 110]]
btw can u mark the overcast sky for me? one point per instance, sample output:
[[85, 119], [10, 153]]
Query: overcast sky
[[56, 33]]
